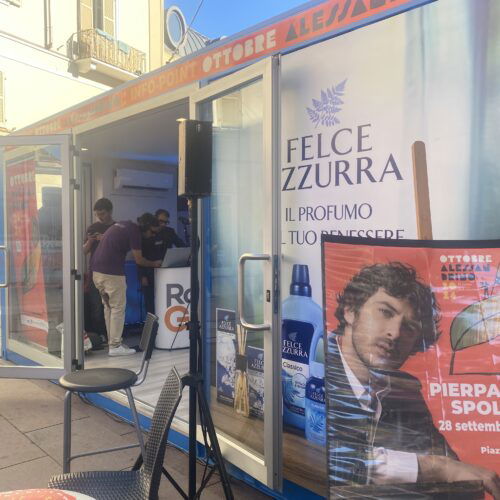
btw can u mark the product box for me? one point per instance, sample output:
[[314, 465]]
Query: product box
[[225, 354], [255, 373]]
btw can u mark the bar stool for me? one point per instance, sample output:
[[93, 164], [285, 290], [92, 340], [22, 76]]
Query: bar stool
[[94, 380], [143, 482]]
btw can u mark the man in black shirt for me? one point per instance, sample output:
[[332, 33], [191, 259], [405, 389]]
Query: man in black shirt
[[103, 210], [153, 248], [167, 233]]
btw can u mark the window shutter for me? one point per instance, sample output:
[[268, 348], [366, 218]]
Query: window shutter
[[2, 99], [86, 15], [109, 16]]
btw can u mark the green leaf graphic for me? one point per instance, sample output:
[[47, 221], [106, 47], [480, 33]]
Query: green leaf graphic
[[476, 324]]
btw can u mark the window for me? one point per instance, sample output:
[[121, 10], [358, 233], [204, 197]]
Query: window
[[2, 99], [98, 19], [98, 14], [175, 27], [86, 9], [104, 16], [108, 16]]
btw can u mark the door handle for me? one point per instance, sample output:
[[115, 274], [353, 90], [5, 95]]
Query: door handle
[[241, 289], [7, 267]]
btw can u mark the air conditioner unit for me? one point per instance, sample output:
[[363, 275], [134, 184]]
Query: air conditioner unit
[[142, 179]]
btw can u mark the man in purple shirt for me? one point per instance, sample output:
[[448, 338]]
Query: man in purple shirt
[[108, 273]]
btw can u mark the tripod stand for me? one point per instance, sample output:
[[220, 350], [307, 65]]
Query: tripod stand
[[194, 380]]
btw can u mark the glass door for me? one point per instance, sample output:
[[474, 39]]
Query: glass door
[[38, 288], [240, 268]]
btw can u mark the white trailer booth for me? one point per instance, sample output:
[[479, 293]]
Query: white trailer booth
[[251, 86]]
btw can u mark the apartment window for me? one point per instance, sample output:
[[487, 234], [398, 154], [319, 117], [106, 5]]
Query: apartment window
[[99, 14], [2, 99], [86, 15], [104, 15], [98, 18]]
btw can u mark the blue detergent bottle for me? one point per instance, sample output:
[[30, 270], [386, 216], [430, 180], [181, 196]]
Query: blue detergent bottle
[[315, 398], [302, 327]]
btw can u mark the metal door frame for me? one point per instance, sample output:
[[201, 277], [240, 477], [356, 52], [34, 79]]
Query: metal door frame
[[268, 468], [70, 274]]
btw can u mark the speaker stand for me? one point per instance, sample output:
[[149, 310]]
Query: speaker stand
[[194, 380]]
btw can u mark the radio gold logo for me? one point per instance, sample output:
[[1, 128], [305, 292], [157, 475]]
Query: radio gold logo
[[177, 313], [176, 318]]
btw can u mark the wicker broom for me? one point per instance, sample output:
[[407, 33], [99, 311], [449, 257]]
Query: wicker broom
[[241, 400]]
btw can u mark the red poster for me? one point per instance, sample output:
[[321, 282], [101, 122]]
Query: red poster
[[413, 365], [29, 321]]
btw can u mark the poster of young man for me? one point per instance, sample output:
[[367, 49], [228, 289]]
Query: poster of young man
[[412, 362]]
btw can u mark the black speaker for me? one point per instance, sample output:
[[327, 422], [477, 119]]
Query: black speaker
[[195, 158]]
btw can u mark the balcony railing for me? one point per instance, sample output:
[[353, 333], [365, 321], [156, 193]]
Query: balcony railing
[[99, 45]]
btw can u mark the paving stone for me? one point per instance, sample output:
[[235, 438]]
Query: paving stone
[[46, 385], [33, 474], [87, 435], [15, 447], [36, 409], [81, 409], [107, 420]]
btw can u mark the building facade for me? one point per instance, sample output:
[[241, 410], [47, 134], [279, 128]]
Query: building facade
[[57, 53]]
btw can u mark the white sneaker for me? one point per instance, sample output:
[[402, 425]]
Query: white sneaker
[[121, 350]]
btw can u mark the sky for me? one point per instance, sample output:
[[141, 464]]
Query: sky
[[227, 17]]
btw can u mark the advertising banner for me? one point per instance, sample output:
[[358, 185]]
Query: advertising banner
[[412, 363], [228, 365], [346, 168], [29, 320], [353, 109], [225, 354]]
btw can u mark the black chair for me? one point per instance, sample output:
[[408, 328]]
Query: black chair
[[138, 484], [106, 380]]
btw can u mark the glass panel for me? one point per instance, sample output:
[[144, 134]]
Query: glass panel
[[236, 225], [33, 220], [175, 28]]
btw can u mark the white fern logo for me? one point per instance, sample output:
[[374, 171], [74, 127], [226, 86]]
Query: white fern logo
[[325, 110]]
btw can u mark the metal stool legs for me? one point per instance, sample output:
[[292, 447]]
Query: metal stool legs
[[67, 432], [136, 420]]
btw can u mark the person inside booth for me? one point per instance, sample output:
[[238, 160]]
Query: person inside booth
[[167, 233], [108, 273], [95, 325], [154, 247]]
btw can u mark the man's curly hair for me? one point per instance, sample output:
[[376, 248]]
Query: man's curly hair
[[147, 221], [400, 281]]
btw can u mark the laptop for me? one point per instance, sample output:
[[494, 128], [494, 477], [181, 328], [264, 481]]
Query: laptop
[[177, 257]]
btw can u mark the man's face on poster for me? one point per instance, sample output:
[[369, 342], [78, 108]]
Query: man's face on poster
[[383, 331]]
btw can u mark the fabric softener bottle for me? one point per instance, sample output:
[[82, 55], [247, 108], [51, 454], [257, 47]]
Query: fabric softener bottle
[[301, 329], [315, 397]]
